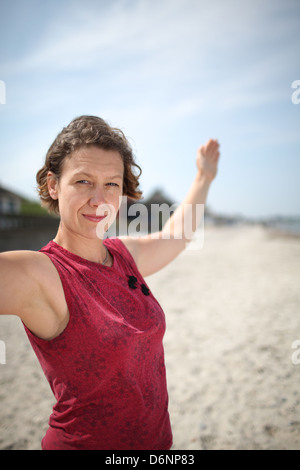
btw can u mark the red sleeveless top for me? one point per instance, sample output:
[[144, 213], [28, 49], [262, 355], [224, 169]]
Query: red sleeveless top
[[106, 369]]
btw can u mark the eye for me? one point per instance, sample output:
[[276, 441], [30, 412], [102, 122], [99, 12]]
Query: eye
[[113, 184], [82, 182]]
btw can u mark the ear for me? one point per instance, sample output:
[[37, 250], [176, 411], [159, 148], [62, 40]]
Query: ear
[[52, 182]]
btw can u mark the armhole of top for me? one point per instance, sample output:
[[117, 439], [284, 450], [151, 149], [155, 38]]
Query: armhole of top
[[67, 299]]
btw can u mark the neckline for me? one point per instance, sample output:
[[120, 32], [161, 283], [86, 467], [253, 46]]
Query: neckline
[[84, 260]]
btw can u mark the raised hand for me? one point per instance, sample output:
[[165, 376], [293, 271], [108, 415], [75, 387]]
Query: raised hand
[[208, 158]]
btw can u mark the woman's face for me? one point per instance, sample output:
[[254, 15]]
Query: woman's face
[[91, 178]]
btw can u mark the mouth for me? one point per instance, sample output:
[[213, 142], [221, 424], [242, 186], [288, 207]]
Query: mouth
[[94, 218]]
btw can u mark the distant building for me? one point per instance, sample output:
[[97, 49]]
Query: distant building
[[158, 197], [150, 213], [10, 203]]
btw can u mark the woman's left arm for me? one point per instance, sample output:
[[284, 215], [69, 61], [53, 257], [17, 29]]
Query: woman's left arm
[[154, 251]]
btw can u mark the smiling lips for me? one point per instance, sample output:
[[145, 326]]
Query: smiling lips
[[94, 218]]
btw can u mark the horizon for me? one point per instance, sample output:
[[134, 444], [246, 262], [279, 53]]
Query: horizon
[[210, 212]]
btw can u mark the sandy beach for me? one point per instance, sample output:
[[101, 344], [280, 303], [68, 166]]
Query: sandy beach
[[233, 313]]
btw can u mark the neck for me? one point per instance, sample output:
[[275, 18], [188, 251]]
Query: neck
[[88, 248]]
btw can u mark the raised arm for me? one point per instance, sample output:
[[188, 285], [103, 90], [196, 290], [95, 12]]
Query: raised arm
[[154, 251]]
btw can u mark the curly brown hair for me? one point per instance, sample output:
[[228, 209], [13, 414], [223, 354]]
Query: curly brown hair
[[86, 131]]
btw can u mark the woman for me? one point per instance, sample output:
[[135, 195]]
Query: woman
[[92, 321]]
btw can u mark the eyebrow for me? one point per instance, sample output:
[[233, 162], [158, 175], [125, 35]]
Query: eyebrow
[[89, 175]]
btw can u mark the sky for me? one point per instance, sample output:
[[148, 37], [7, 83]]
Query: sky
[[171, 74]]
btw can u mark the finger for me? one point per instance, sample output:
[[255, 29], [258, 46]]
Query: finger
[[210, 144], [201, 150], [212, 147], [215, 151], [216, 145], [217, 154]]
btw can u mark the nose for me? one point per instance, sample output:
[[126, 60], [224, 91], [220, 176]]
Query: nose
[[97, 197]]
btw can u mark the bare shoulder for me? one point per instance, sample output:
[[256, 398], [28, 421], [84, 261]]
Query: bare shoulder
[[143, 249], [23, 256], [130, 243], [133, 245], [28, 281], [33, 265], [152, 252]]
